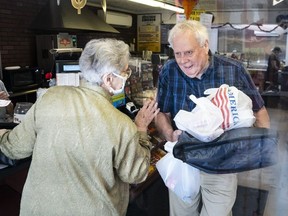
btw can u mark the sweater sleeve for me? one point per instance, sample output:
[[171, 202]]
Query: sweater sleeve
[[134, 166], [19, 142]]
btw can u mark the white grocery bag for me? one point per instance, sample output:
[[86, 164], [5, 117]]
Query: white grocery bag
[[179, 177], [235, 106], [203, 122]]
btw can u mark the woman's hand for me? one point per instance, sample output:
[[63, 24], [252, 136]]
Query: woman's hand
[[3, 95], [146, 114]]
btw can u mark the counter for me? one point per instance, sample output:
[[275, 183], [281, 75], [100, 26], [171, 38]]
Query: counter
[[137, 189], [157, 153], [23, 96], [275, 99], [258, 76], [9, 171]]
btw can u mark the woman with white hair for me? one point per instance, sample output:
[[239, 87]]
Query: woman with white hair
[[85, 152]]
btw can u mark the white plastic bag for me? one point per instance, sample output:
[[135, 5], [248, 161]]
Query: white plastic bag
[[235, 106], [181, 178], [203, 122]]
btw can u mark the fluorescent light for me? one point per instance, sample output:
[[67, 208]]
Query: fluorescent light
[[275, 2], [173, 8], [266, 34], [153, 3]]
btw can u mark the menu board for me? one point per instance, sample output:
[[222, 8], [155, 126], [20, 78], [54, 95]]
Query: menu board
[[148, 32]]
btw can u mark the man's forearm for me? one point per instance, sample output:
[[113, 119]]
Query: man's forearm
[[262, 118], [163, 125]]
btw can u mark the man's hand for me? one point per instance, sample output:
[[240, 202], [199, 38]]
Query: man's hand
[[175, 135]]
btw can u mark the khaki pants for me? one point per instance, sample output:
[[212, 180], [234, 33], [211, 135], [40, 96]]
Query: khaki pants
[[218, 193]]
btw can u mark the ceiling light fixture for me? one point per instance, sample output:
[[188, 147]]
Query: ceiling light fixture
[[275, 2], [153, 3], [266, 34]]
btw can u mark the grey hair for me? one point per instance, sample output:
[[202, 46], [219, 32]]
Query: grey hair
[[103, 56], [199, 30]]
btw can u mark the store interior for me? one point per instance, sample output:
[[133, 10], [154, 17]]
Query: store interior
[[245, 30]]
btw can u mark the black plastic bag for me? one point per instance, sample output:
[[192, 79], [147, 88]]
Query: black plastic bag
[[6, 160], [236, 150]]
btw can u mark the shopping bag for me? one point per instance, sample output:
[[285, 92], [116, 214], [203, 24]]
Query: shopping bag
[[203, 122], [236, 150], [235, 106], [6, 160], [179, 177]]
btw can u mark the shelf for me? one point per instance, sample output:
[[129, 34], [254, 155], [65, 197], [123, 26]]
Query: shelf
[[16, 94]]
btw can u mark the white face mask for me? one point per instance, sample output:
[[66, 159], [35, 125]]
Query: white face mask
[[118, 91]]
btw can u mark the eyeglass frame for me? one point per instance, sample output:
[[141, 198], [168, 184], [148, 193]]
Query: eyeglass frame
[[187, 54], [127, 73]]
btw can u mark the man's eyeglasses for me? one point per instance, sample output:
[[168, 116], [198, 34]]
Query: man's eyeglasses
[[188, 53]]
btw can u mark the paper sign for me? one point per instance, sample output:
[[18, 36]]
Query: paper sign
[[206, 19]]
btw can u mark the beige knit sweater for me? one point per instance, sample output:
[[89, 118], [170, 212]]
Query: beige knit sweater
[[84, 154]]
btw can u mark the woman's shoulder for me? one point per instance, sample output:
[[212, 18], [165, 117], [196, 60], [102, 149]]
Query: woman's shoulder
[[2, 85]]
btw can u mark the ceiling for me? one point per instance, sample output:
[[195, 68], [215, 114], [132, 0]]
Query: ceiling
[[208, 5], [128, 6]]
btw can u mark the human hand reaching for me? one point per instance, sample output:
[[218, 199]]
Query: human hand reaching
[[146, 114], [3, 95]]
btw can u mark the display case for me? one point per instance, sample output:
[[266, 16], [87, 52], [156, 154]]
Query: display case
[[140, 85]]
